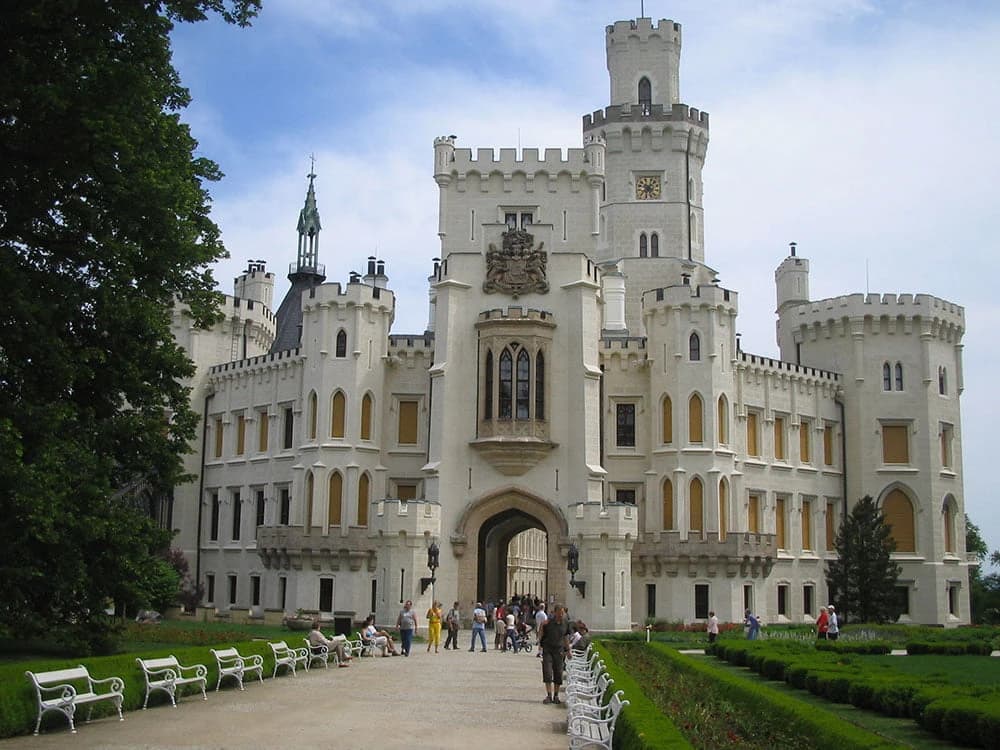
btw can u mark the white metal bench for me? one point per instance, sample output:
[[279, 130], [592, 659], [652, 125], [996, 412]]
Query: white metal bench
[[598, 729], [362, 646], [167, 674], [232, 664], [58, 690], [319, 653], [286, 656]]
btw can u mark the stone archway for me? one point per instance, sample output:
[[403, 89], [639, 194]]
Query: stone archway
[[484, 529]]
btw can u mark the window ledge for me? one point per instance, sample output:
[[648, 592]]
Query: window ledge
[[632, 453], [263, 457], [698, 450], [897, 469], [667, 450], [781, 466], [807, 469], [830, 471], [948, 474], [754, 461], [367, 448], [407, 451]]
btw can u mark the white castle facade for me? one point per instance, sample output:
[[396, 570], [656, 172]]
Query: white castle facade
[[580, 379]]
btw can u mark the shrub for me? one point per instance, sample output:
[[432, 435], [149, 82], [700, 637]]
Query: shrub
[[855, 647]]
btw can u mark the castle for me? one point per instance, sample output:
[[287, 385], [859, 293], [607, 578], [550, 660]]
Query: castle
[[580, 394]]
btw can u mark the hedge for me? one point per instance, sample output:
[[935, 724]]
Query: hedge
[[641, 725], [19, 709], [967, 715], [949, 648], [816, 728]]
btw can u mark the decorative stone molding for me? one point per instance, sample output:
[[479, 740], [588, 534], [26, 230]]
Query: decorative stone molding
[[518, 268]]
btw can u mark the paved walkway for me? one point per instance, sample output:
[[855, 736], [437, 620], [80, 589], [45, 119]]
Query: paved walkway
[[454, 699]]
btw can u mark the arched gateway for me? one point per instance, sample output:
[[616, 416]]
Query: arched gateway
[[487, 526]]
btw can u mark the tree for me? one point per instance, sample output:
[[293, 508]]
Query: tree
[[862, 580], [104, 223], [984, 590]]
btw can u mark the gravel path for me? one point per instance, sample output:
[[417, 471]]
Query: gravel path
[[454, 699]]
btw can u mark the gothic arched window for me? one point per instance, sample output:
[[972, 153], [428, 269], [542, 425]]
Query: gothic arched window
[[645, 95], [506, 406], [694, 348], [539, 386], [899, 376], [643, 245], [488, 387], [522, 387], [886, 377], [943, 381], [341, 350], [654, 245]]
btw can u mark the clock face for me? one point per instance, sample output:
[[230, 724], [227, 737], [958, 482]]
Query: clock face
[[647, 188]]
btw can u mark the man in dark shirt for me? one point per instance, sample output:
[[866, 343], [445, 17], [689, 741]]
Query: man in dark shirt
[[553, 639]]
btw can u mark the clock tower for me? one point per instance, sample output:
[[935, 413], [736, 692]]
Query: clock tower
[[651, 204]]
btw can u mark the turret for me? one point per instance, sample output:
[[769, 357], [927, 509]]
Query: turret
[[791, 281], [644, 62], [255, 284]]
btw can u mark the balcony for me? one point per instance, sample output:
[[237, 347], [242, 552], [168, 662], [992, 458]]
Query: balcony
[[513, 446], [290, 547], [749, 555]]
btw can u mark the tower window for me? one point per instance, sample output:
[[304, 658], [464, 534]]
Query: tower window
[[523, 384], [886, 377], [899, 376], [643, 245], [943, 381], [654, 245], [488, 387], [645, 95], [625, 425], [506, 384], [366, 417], [694, 348], [540, 386], [341, 350]]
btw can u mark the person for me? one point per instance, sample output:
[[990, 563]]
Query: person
[[833, 624], [753, 625], [337, 644], [499, 628], [453, 620], [379, 638], [540, 618], [434, 616], [554, 641], [478, 626], [406, 624], [713, 627], [580, 640], [510, 633], [822, 624]]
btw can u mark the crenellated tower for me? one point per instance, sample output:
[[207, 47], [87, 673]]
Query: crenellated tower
[[655, 148]]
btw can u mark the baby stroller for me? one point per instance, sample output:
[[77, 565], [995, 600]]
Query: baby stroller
[[523, 641]]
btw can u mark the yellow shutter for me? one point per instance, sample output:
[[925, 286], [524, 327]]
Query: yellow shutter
[[895, 444], [241, 434], [312, 416], [831, 531], [696, 430], [363, 492], [262, 431], [828, 445], [307, 517], [218, 437], [337, 415], [779, 438], [407, 423], [723, 421], [668, 420], [779, 522], [805, 455], [723, 508], [696, 505], [406, 491], [668, 505], [753, 514], [898, 514], [807, 525], [949, 529], [752, 449], [366, 417], [336, 499]]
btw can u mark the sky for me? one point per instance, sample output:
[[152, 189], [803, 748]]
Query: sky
[[864, 131]]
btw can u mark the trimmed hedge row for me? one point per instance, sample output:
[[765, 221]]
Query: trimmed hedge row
[[967, 715], [872, 648], [950, 648], [816, 728], [19, 710], [641, 725]]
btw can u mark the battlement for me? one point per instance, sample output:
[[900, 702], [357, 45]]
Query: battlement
[[766, 364], [642, 29], [645, 113], [696, 295], [594, 519], [411, 342], [861, 306], [354, 292], [253, 363], [553, 161], [624, 343], [516, 313]]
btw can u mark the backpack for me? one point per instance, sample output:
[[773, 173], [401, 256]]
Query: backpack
[[480, 616]]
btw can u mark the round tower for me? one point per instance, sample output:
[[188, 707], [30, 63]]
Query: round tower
[[638, 50], [791, 281]]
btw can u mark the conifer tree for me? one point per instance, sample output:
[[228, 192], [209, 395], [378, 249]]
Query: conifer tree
[[862, 580]]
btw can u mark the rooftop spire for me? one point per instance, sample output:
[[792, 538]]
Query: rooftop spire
[[309, 227]]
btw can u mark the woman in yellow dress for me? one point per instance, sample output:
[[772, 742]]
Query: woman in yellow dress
[[434, 615]]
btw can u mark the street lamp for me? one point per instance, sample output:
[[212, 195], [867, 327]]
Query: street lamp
[[433, 561], [573, 565]]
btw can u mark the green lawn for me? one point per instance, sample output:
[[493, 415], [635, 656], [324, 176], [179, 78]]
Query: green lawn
[[955, 670]]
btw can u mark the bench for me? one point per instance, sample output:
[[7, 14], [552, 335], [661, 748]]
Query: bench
[[232, 664], [286, 656], [56, 691], [597, 729], [319, 654], [362, 646], [167, 674]]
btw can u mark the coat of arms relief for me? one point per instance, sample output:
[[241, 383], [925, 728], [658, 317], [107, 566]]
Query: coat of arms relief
[[518, 267]]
